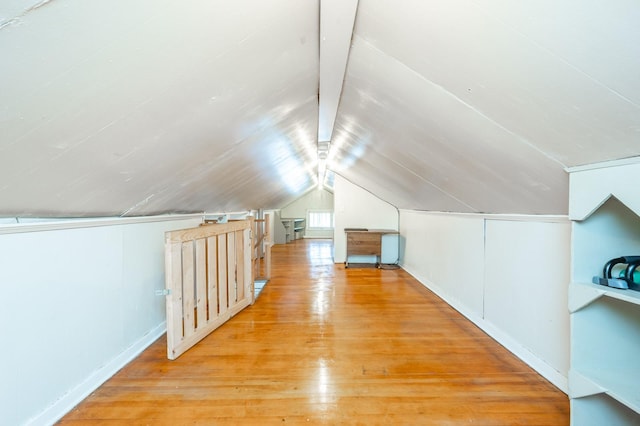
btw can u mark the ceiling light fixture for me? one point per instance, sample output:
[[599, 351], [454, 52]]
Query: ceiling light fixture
[[323, 153]]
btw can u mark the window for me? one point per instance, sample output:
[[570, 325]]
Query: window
[[320, 219]]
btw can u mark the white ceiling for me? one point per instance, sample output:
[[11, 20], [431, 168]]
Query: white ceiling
[[337, 18], [143, 107]]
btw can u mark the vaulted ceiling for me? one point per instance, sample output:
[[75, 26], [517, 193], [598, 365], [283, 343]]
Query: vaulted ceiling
[[146, 107]]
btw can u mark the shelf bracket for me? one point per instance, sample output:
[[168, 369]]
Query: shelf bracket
[[580, 386], [581, 296]]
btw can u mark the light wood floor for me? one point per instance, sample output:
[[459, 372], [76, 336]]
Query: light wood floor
[[325, 344]]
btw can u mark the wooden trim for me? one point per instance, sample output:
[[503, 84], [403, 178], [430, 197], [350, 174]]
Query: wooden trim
[[205, 231], [487, 216], [603, 164], [260, 240]]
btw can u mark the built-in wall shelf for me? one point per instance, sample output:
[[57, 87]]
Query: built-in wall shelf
[[582, 294], [298, 228], [288, 229], [604, 378]]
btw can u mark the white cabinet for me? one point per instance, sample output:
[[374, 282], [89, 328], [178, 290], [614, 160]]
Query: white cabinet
[[604, 378]]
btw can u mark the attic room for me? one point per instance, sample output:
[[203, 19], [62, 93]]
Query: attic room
[[500, 140]]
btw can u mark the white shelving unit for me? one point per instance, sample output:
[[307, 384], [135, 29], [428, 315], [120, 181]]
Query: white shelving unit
[[604, 378], [279, 232], [298, 228], [288, 229]]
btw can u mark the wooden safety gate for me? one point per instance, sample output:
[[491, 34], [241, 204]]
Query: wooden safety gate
[[208, 280]]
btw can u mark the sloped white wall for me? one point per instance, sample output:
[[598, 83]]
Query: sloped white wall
[[356, 208], [77, 305], [447, 252], [312, 200], [527, 275], [509, 275]]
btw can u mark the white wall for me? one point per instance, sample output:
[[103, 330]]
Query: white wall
[[356, 208], [447, 251], [77, 304], [312, 200], [509, 275]]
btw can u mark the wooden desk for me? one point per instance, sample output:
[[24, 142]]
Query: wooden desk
[[365, 242]]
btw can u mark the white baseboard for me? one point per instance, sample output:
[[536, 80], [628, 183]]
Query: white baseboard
[[512, 345], [72, 398], [544, 369]]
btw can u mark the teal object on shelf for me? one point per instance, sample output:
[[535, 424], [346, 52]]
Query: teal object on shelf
[[636, 275]]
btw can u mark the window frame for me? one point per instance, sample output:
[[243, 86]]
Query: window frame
[[318, 228]]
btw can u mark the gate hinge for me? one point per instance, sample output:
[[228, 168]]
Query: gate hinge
[[164, 292]]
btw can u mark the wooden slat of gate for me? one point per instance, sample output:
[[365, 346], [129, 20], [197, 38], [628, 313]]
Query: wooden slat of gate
[[267, 255], [261, 251], [248, 281], [239, 285], [212, 278], [231, 273], [268, 244], [201, 282], [223, 301], [204, 231], [173, 271], [188, 284]]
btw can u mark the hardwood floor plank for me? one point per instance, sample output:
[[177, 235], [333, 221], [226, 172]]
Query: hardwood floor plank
[[329, 345]]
